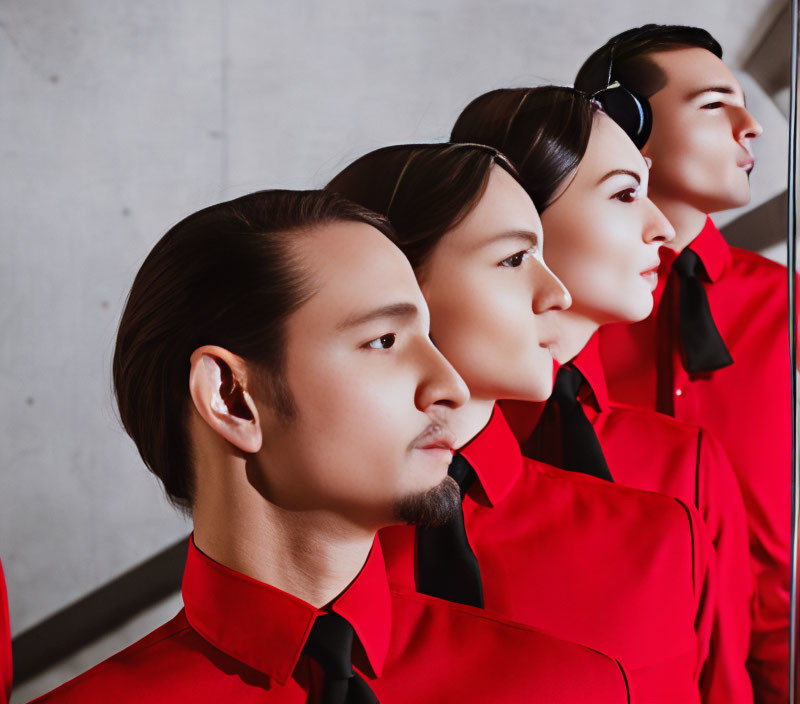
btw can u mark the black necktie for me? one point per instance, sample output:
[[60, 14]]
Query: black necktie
[[703, 347], [446, 566], [563, 414], [330, 643]]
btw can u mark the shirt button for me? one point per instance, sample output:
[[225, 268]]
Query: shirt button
[[679, 392]]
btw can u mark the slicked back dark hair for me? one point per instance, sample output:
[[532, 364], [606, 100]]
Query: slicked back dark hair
[[424, 190], [228, 275], [543, 131], [631, 49]]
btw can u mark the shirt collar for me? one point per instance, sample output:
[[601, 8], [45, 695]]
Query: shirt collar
[[266, 628], [588, 363], [495, 456], [710, 246]]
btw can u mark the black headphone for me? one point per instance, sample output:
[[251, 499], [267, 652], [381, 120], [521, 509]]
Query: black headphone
[[630, 111]]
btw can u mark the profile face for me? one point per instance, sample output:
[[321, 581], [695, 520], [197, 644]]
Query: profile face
[[603, 233], [372, 393], [702, 133], [490, 294]]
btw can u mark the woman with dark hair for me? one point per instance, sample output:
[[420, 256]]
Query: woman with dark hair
[[611, 567], [589, 184]]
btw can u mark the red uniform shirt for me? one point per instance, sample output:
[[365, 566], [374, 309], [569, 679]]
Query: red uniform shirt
[[620, 570], [5, 642], [240, 640], [648, 450], [745, 405]]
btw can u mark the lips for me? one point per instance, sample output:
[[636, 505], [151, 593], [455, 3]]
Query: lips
[[435, 437], [745, 161]]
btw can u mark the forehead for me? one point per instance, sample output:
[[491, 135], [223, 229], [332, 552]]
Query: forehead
[[353, 268], [609, 148], [692, 68], [503, 207]]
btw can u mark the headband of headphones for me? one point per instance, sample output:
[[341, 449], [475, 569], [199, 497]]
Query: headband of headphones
[[630, 111]]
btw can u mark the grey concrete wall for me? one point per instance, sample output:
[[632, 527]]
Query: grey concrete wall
[[120, 117]]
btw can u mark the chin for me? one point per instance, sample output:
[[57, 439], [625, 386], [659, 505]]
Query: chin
[[634, 313], [643, 312], [538, 390], [736, 196]]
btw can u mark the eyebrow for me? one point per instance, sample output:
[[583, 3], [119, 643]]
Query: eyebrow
[[393, 310], [529, 236], [621, 172], [725, 90]]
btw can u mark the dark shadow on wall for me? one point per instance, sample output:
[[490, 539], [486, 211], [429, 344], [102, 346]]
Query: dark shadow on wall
[[761, 227], [99, 612]]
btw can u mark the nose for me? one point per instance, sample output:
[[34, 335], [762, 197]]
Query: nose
[[656, 227], [548, 291], [747, 127], [440, 384]]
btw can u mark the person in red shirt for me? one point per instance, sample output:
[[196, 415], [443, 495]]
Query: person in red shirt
[[715, 351], [621, 570], [603, 238], [5, 642], [274, 369]]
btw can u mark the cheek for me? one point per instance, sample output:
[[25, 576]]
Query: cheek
[[586, 257], [492, 339], [687, 151], [356, 411], [601, 268]]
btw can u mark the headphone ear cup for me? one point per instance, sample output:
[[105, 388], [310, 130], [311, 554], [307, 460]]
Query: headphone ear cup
[[629, 111]]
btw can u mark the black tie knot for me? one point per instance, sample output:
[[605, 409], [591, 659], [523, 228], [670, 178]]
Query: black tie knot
[[704, 349], [689, 265], [462, 472], [330, 643], [567, 385], [564, 435]]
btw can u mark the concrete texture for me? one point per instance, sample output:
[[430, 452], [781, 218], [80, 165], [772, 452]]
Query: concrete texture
[[118, 118]]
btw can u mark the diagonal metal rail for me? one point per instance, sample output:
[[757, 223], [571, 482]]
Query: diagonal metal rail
[[99, 612]]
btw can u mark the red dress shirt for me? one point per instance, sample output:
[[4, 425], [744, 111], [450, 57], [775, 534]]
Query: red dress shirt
[[648, 450], [620, 570], [240, 640], [5, 642], [746, 405]]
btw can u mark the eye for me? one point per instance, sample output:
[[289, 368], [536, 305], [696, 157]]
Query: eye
[[384, 342], [711, 106], [627, 196], [516, 260]]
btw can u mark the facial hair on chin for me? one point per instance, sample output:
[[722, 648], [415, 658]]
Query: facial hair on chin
[[433, 507]]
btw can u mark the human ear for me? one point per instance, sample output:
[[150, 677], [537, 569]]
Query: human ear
[[217, 382]]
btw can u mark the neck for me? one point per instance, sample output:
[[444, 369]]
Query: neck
[[687, 220], [312, 555], [466, 422], [575, 329]]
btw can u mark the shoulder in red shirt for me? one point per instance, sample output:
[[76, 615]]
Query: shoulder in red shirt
[[241, 640], [745, 405], [648, 450], [624, 571]]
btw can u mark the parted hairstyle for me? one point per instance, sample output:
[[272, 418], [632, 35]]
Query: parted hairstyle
[[543, 131], [631, 65], [424, 190], [228, 275]]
